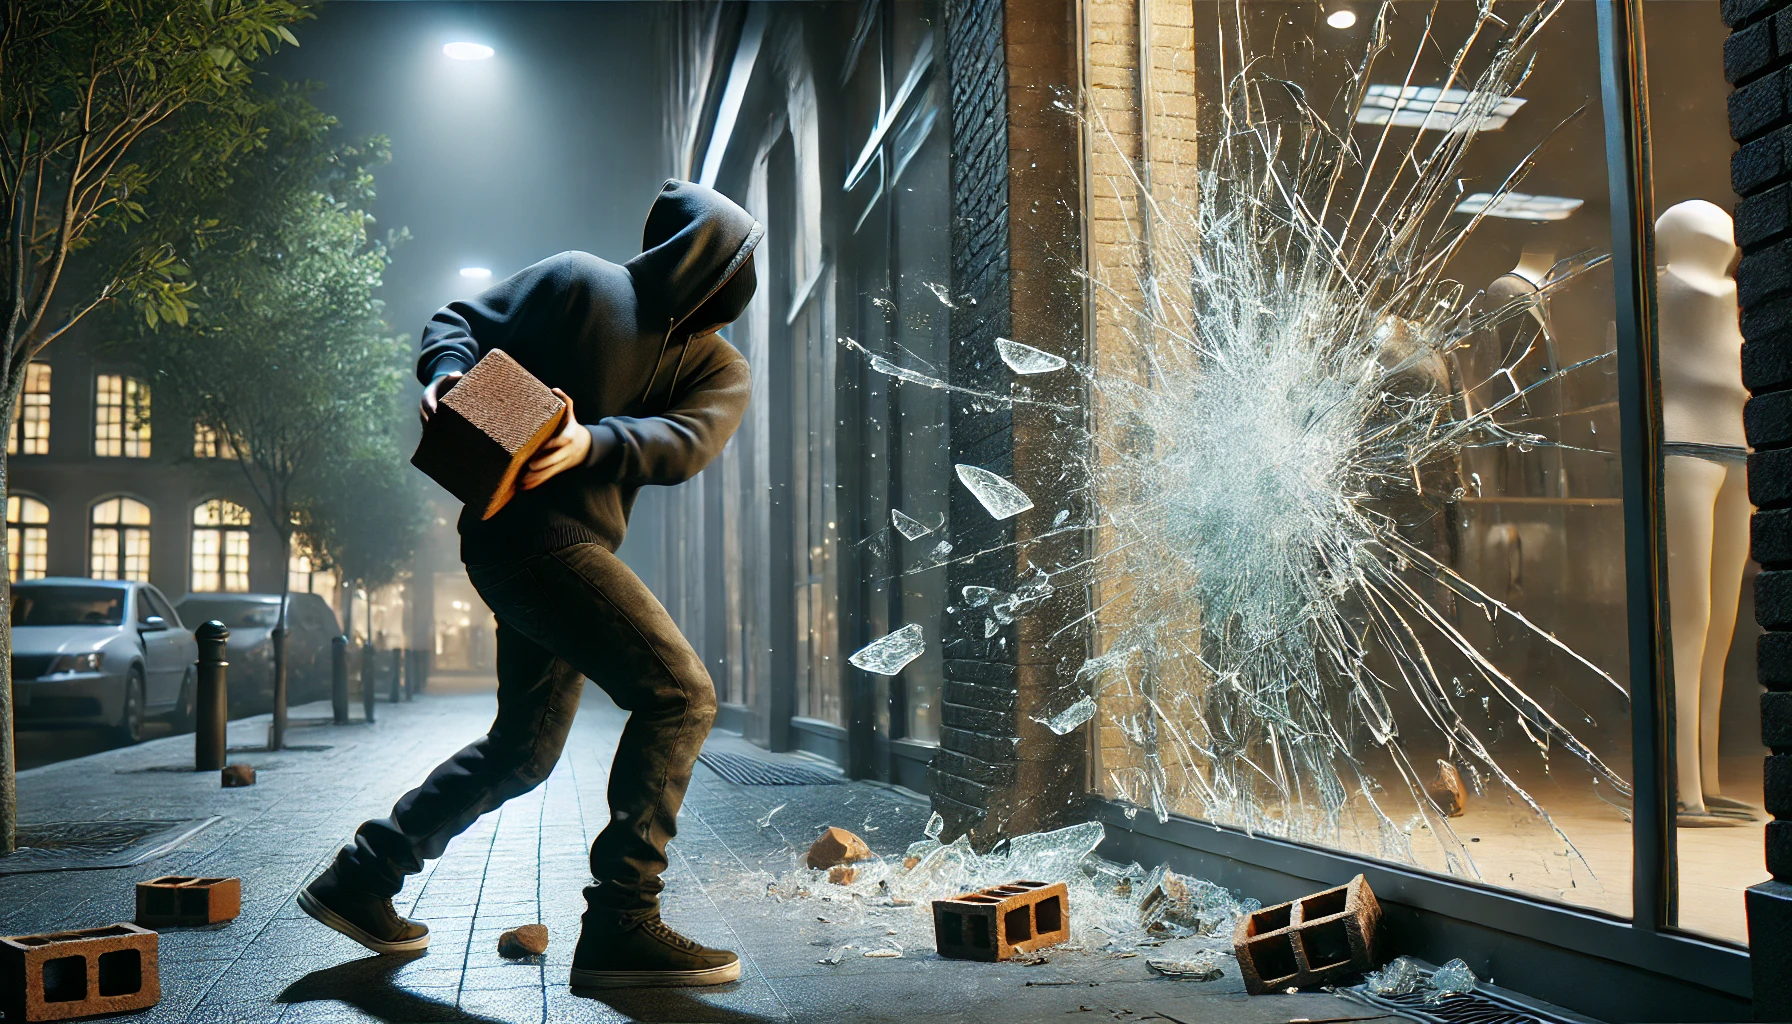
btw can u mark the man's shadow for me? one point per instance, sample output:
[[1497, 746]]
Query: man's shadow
[[369, 985]]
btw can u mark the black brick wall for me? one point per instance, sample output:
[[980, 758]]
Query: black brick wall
[[1758, 64], [978, 746]]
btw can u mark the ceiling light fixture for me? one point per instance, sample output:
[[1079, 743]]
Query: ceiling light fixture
[[477, 273], [1343, 17], [1519, 206], [468, 51]]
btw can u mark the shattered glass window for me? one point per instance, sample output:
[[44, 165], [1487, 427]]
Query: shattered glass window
[[1359, 578]]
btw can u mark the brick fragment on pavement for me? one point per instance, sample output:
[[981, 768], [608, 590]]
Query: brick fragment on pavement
[[837, 846], [1310, 941], [65, 975], [843, 874], [485, 428], [528, 940], [235, 775], [1004, 920]]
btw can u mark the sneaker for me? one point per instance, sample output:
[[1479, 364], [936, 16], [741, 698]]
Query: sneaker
[[362, 916], [615, 954]]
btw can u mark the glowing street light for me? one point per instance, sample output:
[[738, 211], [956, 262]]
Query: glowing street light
[[475, 273], [468, 51], [1343, 17]]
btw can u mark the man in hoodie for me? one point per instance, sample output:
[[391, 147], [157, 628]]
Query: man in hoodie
[[653, 394]]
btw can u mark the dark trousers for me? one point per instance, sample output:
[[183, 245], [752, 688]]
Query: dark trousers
[[563, 617]]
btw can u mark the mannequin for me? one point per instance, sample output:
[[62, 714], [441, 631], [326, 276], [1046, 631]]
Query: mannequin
[[1705, 487]]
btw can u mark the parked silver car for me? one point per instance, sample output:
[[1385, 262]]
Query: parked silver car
[[310, 626], [99, 652]]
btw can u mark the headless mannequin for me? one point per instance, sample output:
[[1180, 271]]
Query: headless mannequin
[[1705, 487]]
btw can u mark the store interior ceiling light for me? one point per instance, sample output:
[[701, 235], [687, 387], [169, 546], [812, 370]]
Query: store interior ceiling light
[[1430, 108], [467, 51], [1519, 206], [477, 273], [1343, 17]]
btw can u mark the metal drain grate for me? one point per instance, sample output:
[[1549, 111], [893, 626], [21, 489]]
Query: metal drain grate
[[750, 771], [85, 845], [1469, 1008]]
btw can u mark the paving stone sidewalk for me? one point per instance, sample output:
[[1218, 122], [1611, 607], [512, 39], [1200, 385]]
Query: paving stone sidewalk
[[526, 863]]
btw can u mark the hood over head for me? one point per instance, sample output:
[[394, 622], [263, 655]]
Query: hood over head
[[696, 251]]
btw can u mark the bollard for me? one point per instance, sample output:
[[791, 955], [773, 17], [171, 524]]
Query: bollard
[[277, 727], [397, 689], [410, 674], [211, 703], [339, 678], [367, 682]]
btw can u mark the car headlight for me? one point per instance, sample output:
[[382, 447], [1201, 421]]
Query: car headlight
[[89, 662]]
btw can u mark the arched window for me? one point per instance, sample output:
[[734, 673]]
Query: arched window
[[118, 540], [220, 548], [27, 538]]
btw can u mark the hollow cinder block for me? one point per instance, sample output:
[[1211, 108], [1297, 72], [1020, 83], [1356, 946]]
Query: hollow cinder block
[[485, 430], [64, 975], [188, 901], [1310, 941], [998, 922]]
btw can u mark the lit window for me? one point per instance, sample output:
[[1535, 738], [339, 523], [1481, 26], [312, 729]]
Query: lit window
[[211, 443], [118, 542], [220, 548], [120, 417], [27, 538], [31, 417]]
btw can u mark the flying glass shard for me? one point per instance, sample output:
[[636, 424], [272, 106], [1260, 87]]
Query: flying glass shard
[[1002, 499], [1025, 359], [908, 526], [887, 655]]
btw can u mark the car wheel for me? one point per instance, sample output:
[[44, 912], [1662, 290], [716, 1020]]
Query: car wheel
[[186, 710], [130, 721]]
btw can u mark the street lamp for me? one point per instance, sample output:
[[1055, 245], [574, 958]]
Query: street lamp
[[468, 51], [476, 273], [1343, 17]]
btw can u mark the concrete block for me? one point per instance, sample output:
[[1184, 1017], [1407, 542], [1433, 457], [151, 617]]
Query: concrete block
[[236, 775], [183, 900], [65, 975], [999, 922], [485, 429], [1310, 941]]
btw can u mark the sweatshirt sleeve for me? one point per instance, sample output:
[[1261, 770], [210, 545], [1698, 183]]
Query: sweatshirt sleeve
[[466, 329], [674, 446]]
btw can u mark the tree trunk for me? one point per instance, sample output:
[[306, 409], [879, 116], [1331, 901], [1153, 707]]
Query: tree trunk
[[277, 729], [9, 790]]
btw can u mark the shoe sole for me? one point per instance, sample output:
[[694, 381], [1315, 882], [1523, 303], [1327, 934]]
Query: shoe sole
[[330, 919], [655, 979]]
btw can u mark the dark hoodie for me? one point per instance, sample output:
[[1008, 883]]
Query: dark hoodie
[[634, 347]]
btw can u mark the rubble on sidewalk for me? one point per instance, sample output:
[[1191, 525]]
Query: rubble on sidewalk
[[1002, 921], [525, 941], [237, 775], [1310, 941], [837, 846]]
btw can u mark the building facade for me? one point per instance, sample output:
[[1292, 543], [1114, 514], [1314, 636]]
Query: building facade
[[1531, 711]]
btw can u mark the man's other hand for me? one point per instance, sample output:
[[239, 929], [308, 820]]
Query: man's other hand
[[433, 393], [563, 451]]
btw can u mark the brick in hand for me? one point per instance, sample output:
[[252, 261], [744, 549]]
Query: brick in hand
[[485, 429]]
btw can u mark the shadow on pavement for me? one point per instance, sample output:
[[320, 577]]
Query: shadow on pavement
[[652, 1005], [367, 985]]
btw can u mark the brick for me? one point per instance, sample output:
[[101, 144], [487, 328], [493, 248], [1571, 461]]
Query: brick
[[958, 716], [235, 776], [1758, 107], [1779, 850], [1764, 275], [1770, 948], [1001, 921], [963, 766], [1310, 941], [989, 698], [1776, 785], [1776, 721], [1760, 164], [1773, 599], [1770, 478], [1766, 367], [1737, 13], [1770, 537], [487, 426], [1763, 218], [1748, 51], [180, 900], [525, 941], [1773, 660], [64, 975]]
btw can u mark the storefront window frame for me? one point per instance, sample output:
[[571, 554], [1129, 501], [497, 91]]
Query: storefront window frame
[[1647, 940]]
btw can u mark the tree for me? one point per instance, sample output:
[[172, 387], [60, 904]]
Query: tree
[[84, 86], [283, 352]]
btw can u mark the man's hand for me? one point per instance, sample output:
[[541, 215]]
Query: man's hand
[[433, 393], [562, 452]]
